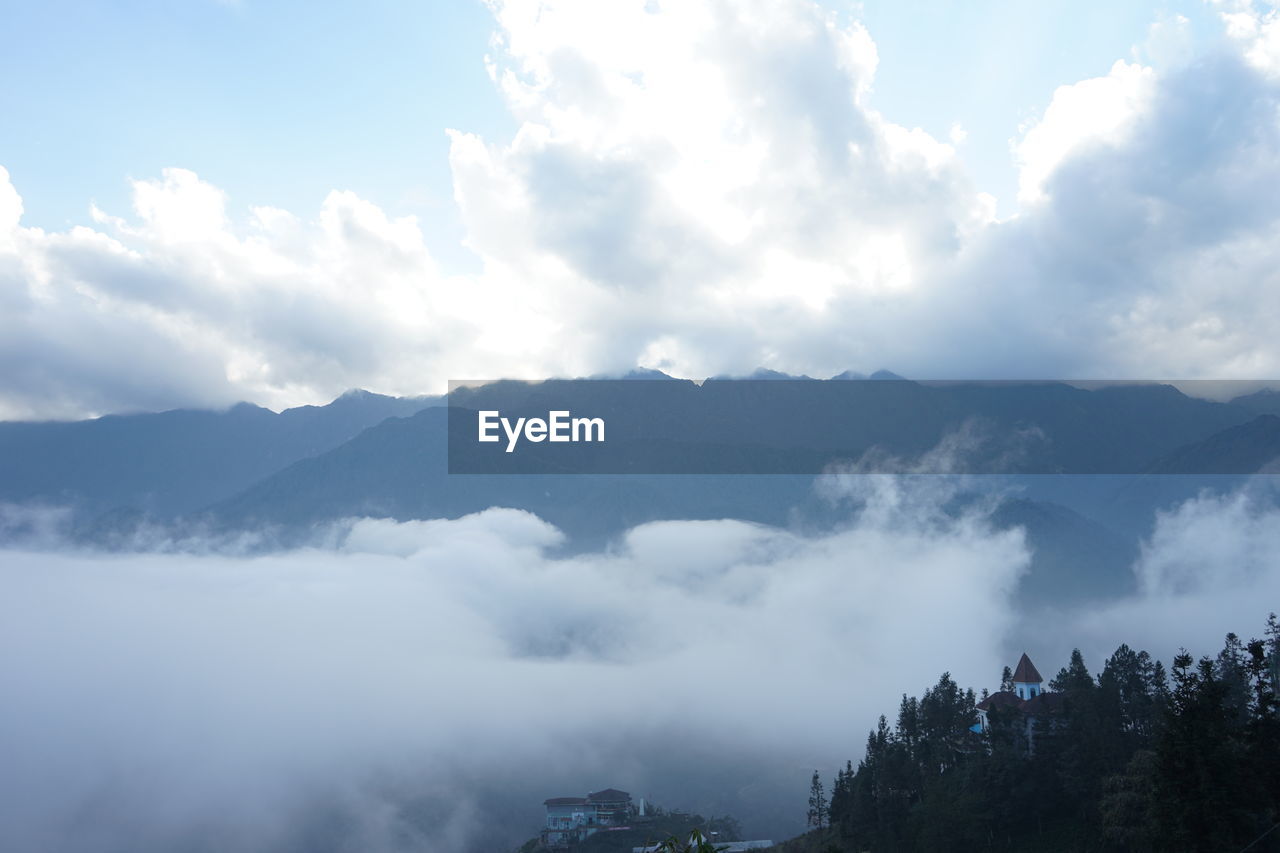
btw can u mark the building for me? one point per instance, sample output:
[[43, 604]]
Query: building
[[721, 846], [572, 819], [1027, 683], [613, 807], [1028, 698]]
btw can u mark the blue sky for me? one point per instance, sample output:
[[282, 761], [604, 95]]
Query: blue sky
[[279, 102], [276, 102]]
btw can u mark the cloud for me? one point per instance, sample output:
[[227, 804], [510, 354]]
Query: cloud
[[1255, 26], [398, 688], [1208, 568], [704, 188], [1092, 113]]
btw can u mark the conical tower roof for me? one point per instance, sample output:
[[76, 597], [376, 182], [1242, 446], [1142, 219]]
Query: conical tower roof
[[1026, 672]]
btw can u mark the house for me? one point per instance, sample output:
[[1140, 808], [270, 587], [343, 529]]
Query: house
[[573, 819], [613, 807], [1028, 698], [721, 846]]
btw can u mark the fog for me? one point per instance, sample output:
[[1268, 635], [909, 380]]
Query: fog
[[1210, 566], [425, 685]]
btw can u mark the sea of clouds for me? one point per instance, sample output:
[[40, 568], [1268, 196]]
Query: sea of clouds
[[425, 684]]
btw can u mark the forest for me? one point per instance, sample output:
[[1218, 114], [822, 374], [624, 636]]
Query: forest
[[1135, 759]]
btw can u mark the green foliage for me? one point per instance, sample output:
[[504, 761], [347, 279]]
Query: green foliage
[[1133, 760]]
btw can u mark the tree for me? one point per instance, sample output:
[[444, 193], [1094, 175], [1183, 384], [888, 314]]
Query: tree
[[696, 843], [1199, 753], [1128, 804], [817, 803], [1139, 759], [1074, 677], [841, 807], [1006, 680]]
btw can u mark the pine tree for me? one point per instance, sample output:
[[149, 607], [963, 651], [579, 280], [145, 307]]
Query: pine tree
[[1074, 677], [841, 807], [817, 803]]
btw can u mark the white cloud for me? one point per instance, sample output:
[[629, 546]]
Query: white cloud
[[1097, 112], [1207, 569], [1256, 27], [418, 668], [703, 187]]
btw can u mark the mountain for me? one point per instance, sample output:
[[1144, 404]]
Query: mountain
[[1217, 464], [399, 469], [736, 426], [367, 455], [174, 462], [1073, 559], [1249, 448], [1264, 402]]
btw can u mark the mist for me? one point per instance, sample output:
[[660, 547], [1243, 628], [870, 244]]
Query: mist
[[1209, 567], [425, 685]]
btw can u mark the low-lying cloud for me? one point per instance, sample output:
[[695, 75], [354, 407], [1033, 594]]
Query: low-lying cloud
[[442, 667], [425, 684], [1209, 567]]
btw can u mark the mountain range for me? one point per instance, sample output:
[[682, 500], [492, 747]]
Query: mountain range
[[248, 468]]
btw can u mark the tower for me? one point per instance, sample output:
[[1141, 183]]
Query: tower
[[1027, 683]]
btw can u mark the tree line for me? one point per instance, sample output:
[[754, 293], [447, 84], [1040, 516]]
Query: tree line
[[1135, 759]]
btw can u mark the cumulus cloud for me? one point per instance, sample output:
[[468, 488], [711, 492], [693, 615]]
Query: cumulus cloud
[[696, 187], [700, 187], [406, 685], [180, 305]]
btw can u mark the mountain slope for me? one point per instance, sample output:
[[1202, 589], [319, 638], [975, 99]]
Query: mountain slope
[[174, 462]]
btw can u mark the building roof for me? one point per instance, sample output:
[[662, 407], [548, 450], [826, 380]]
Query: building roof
[[1001, 699], [609, 795], [565, 801], [1041, 703], [1026, 672]]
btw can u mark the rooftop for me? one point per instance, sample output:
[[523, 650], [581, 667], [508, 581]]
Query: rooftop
[[565, 801], [1026, 673]]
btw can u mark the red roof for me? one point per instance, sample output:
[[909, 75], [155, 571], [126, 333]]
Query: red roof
[[1026, 672], [1002, 699], [1041, 703]]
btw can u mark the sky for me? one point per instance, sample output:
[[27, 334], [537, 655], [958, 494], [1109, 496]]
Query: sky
[[212, 202], [277, 103]]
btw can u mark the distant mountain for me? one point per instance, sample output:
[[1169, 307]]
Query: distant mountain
[[1264, 402], [174, 462], [1249, 448], [399, 469], [1217, 464], [1074, 558], [368, 455], [798, 426]]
